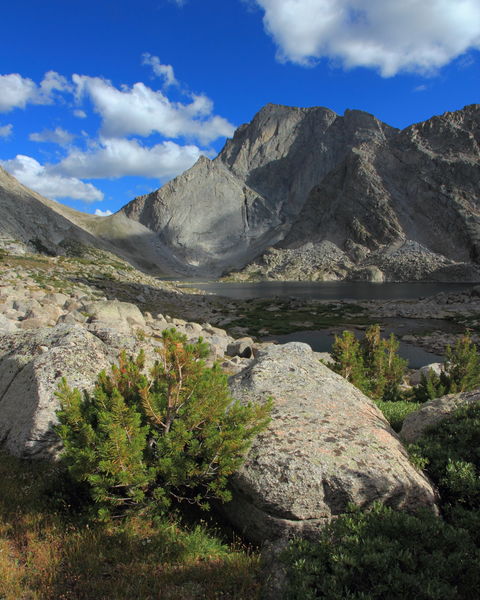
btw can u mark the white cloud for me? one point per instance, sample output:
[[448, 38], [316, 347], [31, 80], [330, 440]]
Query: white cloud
[[6, 130], [52, 82], [389, 35], [52, 185], [17, 91], [163, 71], [103, 213], [420, 88], [57, 136], [142, 111], [80, 114], [120, 157]]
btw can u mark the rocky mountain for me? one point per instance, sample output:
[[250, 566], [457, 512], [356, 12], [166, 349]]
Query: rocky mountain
[[31, 223], [299, 194], [337, 196]]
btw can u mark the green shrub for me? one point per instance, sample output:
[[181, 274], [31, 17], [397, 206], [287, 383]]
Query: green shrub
[[385, 554], [461, 372], [372, 364], [396, 411], [451, 453], [140, 441]]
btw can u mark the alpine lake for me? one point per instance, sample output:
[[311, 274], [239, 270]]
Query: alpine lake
[[314, 312]]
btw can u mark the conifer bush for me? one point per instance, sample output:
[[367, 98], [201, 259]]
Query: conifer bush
[[460, 373], [143, 440], [372, 364]]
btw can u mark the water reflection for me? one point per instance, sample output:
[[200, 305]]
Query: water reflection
[[329, 290]]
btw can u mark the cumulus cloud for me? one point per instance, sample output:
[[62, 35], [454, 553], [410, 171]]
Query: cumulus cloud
[[119, 157], [6, 130], [103, 213], [142, 111], [56, 136], [52, 185], [389, 35], [80, 114], [163, 71], [17, 91]]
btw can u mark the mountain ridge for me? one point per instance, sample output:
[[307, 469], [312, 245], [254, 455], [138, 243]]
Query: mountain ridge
[[304, 193]]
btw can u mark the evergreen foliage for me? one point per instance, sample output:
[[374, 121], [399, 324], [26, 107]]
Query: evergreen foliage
[[372, 364], [141, 440], [461, 372]]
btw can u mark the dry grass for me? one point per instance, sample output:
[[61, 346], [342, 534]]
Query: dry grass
[[47, 555]]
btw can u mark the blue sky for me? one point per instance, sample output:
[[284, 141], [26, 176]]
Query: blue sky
[[101, 101]]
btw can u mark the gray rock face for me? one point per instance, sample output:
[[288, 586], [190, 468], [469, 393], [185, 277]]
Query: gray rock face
[[31, 366], [327, 445], [222, 213], [208, 217], [434, 412], [395, 205], [410, 200]]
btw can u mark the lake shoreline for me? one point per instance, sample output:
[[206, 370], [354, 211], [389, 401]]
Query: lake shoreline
[[427, 322]]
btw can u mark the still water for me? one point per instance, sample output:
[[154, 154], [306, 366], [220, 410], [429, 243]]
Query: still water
[[321, 341], [329, 290]]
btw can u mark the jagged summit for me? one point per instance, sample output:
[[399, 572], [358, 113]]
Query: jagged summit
[[337, 196]]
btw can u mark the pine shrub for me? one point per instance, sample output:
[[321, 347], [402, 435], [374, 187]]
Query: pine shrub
[[143, 440], [372, 364], [460, 373]]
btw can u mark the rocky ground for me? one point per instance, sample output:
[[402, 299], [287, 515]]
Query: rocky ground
[[325, 261]]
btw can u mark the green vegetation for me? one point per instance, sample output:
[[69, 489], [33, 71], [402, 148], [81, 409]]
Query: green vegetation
[[372, 364], [280, 316], [51, 554], [396, 411], [140, 442], [451, 456], [461, 372], [386, 554]]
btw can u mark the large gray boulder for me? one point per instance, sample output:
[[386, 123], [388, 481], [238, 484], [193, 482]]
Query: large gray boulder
[[434, 412], [327, 445], [31, 366], [114, 313]]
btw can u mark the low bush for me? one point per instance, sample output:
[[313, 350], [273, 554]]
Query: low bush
[[451, 454], [140, 442], [47, 554], [385, 554], [396, 411]]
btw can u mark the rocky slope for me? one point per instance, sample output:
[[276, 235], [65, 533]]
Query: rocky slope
[[31, 223], [222, 213]]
